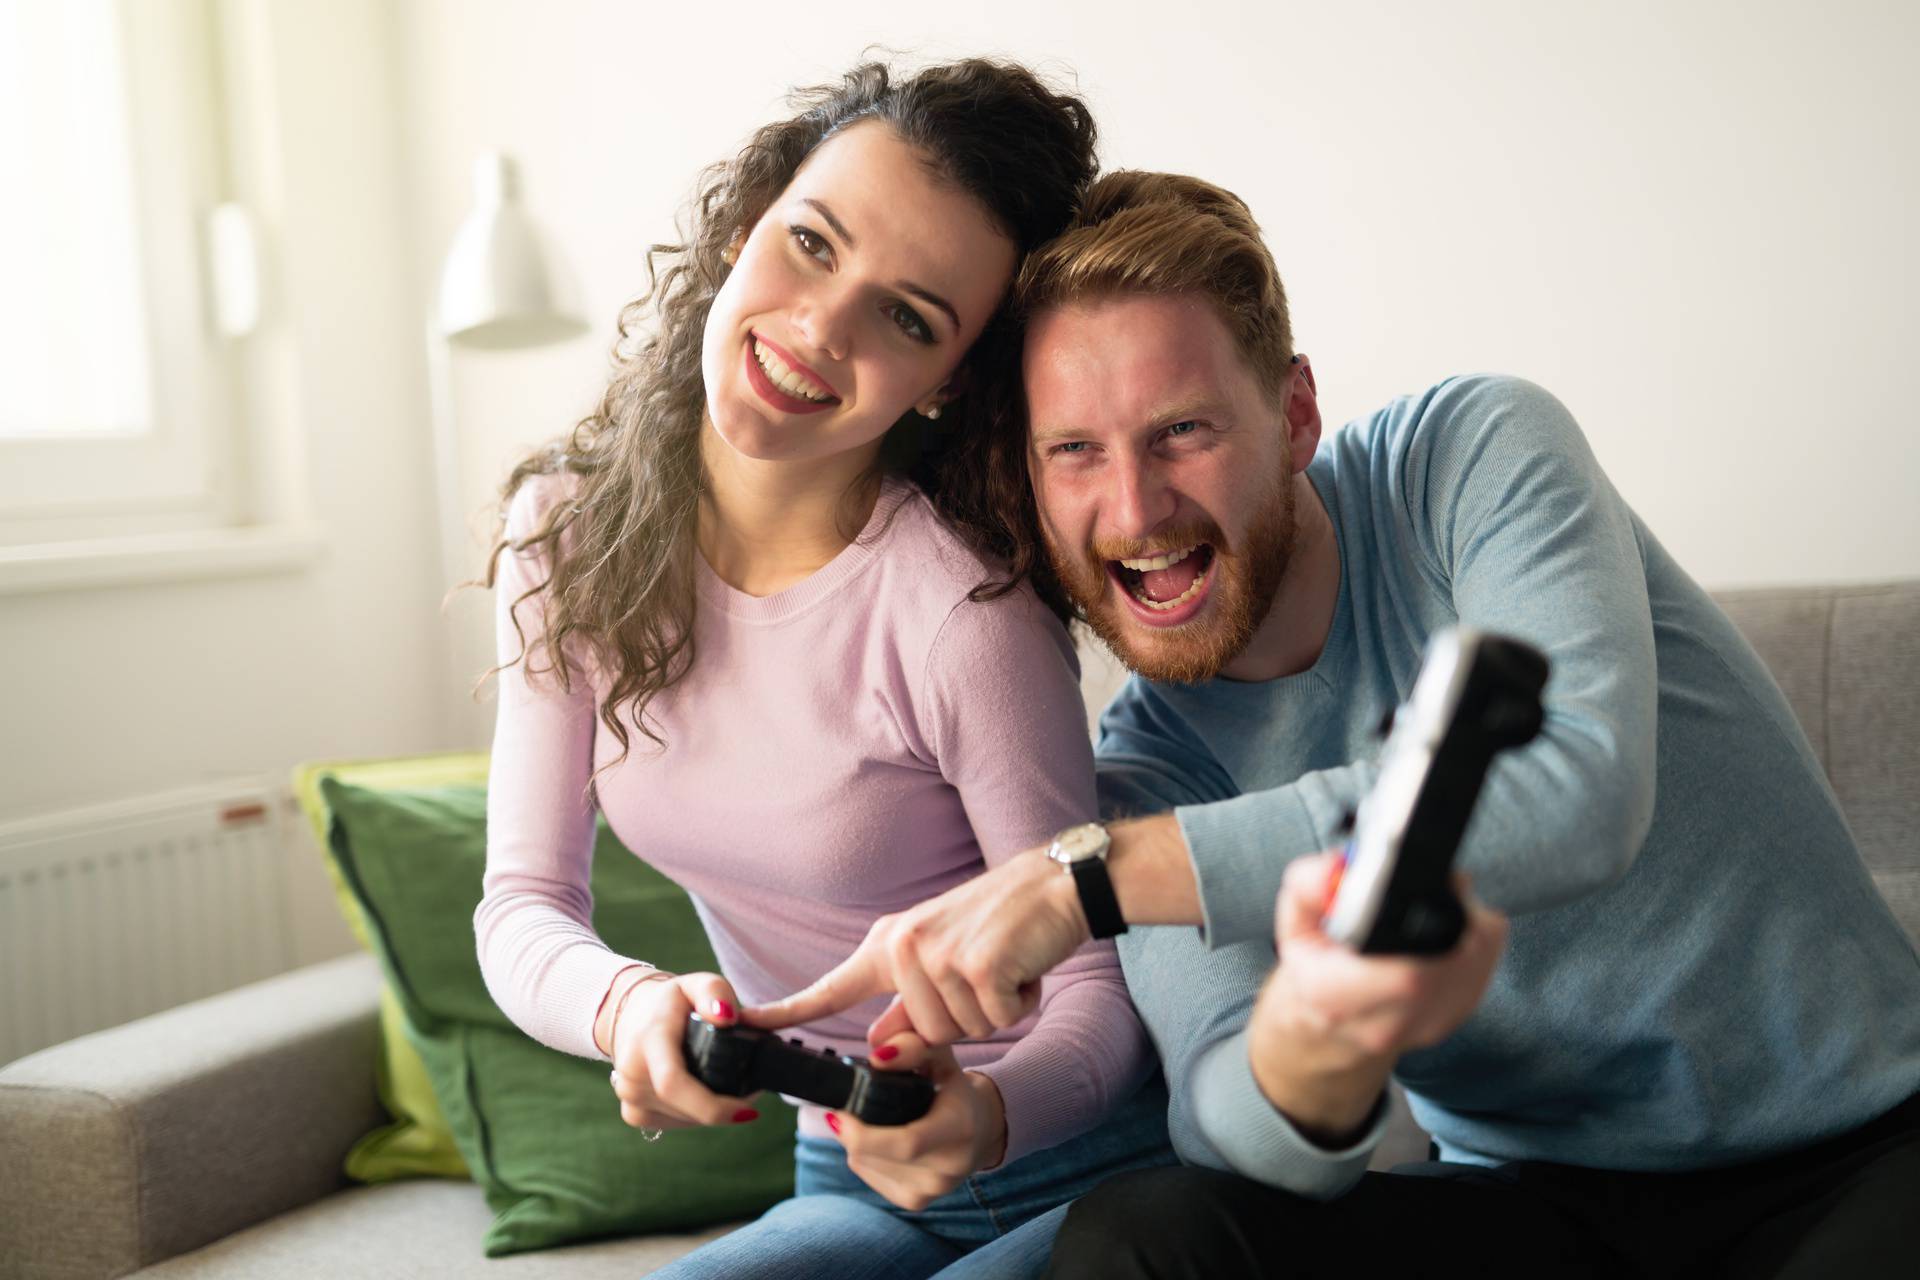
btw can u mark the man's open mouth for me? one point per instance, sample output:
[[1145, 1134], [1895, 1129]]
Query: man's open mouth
[[1166, 580]]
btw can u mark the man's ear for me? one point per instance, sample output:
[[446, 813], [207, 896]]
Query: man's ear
[[1302, 413]]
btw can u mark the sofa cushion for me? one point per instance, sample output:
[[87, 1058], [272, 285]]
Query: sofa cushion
[[423, 1229], [417, 1142], [539, 1129], [149, 1139], [1846, 658]]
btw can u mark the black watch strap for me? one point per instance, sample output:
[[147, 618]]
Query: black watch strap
[[1097, 899]]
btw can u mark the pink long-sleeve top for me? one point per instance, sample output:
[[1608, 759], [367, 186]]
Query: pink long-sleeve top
[[842, 749]]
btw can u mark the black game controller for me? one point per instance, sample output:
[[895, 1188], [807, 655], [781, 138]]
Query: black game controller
[[739, 1061], [1477, 694]]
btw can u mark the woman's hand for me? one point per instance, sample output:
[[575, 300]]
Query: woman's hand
[[650, 1075], [913, 1165]]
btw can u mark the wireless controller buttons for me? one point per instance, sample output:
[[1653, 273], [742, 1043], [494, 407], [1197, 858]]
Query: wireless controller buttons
[[740, 1061], [1476, 694]]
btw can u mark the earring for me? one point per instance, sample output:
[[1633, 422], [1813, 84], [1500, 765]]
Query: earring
[[933, 413], [730, 255]]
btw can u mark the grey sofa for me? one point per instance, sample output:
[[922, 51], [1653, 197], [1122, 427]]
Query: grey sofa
[[208, 1140]]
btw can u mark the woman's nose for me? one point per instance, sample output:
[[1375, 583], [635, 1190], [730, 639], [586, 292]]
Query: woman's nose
[[823, 320]]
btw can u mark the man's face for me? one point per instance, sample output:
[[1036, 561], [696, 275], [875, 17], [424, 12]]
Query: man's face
[[1163, 475]]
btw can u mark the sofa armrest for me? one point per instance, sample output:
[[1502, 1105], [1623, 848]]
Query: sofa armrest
[[131, 1145]]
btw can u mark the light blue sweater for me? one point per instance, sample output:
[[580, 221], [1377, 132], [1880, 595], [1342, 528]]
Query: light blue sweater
[[1700, 970]]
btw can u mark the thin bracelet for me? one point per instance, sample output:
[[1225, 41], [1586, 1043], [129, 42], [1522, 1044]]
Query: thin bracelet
[[613, 1024]]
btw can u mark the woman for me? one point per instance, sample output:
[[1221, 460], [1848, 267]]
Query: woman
[[729, 560]]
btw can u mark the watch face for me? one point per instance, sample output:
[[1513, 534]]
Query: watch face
[[1088, 840]]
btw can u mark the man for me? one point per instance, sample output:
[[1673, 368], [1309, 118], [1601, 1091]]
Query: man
[[1701, 1047]]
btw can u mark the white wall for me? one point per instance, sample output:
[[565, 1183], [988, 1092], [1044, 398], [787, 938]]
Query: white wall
[[1692, 221], [109, 694]]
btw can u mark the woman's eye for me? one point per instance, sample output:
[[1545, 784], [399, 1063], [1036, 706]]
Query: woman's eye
[[910, 322], [811, 245], [1070, 447]]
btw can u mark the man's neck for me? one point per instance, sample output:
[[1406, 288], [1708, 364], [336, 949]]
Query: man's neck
[[766, 526], [1295, 629]]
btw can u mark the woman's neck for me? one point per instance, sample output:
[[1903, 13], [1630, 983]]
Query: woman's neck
[[765, 526]]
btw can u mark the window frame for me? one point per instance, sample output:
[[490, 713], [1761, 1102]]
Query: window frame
[[236, 501], [182, 474]]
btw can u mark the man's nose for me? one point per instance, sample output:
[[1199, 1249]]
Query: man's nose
[[1141, 500]]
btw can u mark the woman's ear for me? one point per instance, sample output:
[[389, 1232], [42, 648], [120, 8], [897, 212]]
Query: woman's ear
[[731, 254], [946, 393]]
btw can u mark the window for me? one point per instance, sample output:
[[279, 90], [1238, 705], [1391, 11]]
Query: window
[[118, 400]]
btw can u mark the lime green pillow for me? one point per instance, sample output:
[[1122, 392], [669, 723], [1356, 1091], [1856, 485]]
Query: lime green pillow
[[418, 1142], [540, 1130]]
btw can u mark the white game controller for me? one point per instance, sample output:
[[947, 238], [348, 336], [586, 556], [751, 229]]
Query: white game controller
[[1477, 694]]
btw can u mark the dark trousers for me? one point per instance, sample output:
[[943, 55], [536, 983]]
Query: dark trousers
[[1847, 1207]]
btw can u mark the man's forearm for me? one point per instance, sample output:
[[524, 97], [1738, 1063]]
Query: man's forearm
[[1153, 872], [1328, 1101]]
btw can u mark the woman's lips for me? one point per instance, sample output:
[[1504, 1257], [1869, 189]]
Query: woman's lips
[[787, 358], [764, 388]]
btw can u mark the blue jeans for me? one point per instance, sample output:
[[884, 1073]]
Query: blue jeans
[[996, 1224]]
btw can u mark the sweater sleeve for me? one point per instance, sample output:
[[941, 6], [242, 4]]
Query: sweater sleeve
[[1008, 724], [543, 963], [1501, 503], [1149, 761]]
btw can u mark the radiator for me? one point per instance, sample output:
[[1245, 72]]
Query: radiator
[[115, 911]]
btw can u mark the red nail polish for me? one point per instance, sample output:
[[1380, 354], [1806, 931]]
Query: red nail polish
[[744, 1114], [723, 1010], [886, 1053], [833, 1122]]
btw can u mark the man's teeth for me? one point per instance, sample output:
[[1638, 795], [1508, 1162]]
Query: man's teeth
[[1140, 594], [788, 380], [1160, 562]]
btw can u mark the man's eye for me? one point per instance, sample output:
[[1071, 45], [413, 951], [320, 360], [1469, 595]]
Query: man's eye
[[910, 323], [811, 244], [1179, 429], [1069, 447]]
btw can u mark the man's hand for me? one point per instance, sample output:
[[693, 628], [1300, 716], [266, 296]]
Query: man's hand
[[1330, 1023], [964, 964], [913, 1165]]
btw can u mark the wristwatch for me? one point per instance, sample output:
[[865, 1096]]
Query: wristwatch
[[1082, 853]]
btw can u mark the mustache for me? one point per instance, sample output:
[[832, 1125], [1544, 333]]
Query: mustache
[[1173, 539]]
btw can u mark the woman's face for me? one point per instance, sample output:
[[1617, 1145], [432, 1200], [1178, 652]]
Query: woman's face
[[852, 301]]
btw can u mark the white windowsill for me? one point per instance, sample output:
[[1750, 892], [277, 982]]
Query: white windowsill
[[158, 557]]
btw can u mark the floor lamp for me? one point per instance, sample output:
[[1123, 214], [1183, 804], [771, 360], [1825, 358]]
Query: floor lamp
[[500, 289]]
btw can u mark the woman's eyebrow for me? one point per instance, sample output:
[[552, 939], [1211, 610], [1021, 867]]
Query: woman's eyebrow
[[921, 292], [839, 227], [931, 298]]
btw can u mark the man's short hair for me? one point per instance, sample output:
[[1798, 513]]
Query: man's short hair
[[1165, 233]]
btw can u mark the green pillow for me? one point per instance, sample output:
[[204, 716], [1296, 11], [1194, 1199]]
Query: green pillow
[[539, 1129], [418, 1143]]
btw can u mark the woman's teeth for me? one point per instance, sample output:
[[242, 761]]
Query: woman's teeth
[[788, 380]]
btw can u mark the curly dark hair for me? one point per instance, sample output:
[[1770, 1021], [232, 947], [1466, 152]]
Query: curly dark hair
[[620, 583]]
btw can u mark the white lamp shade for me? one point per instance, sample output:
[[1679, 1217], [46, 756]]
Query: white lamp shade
[[500, 286]]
